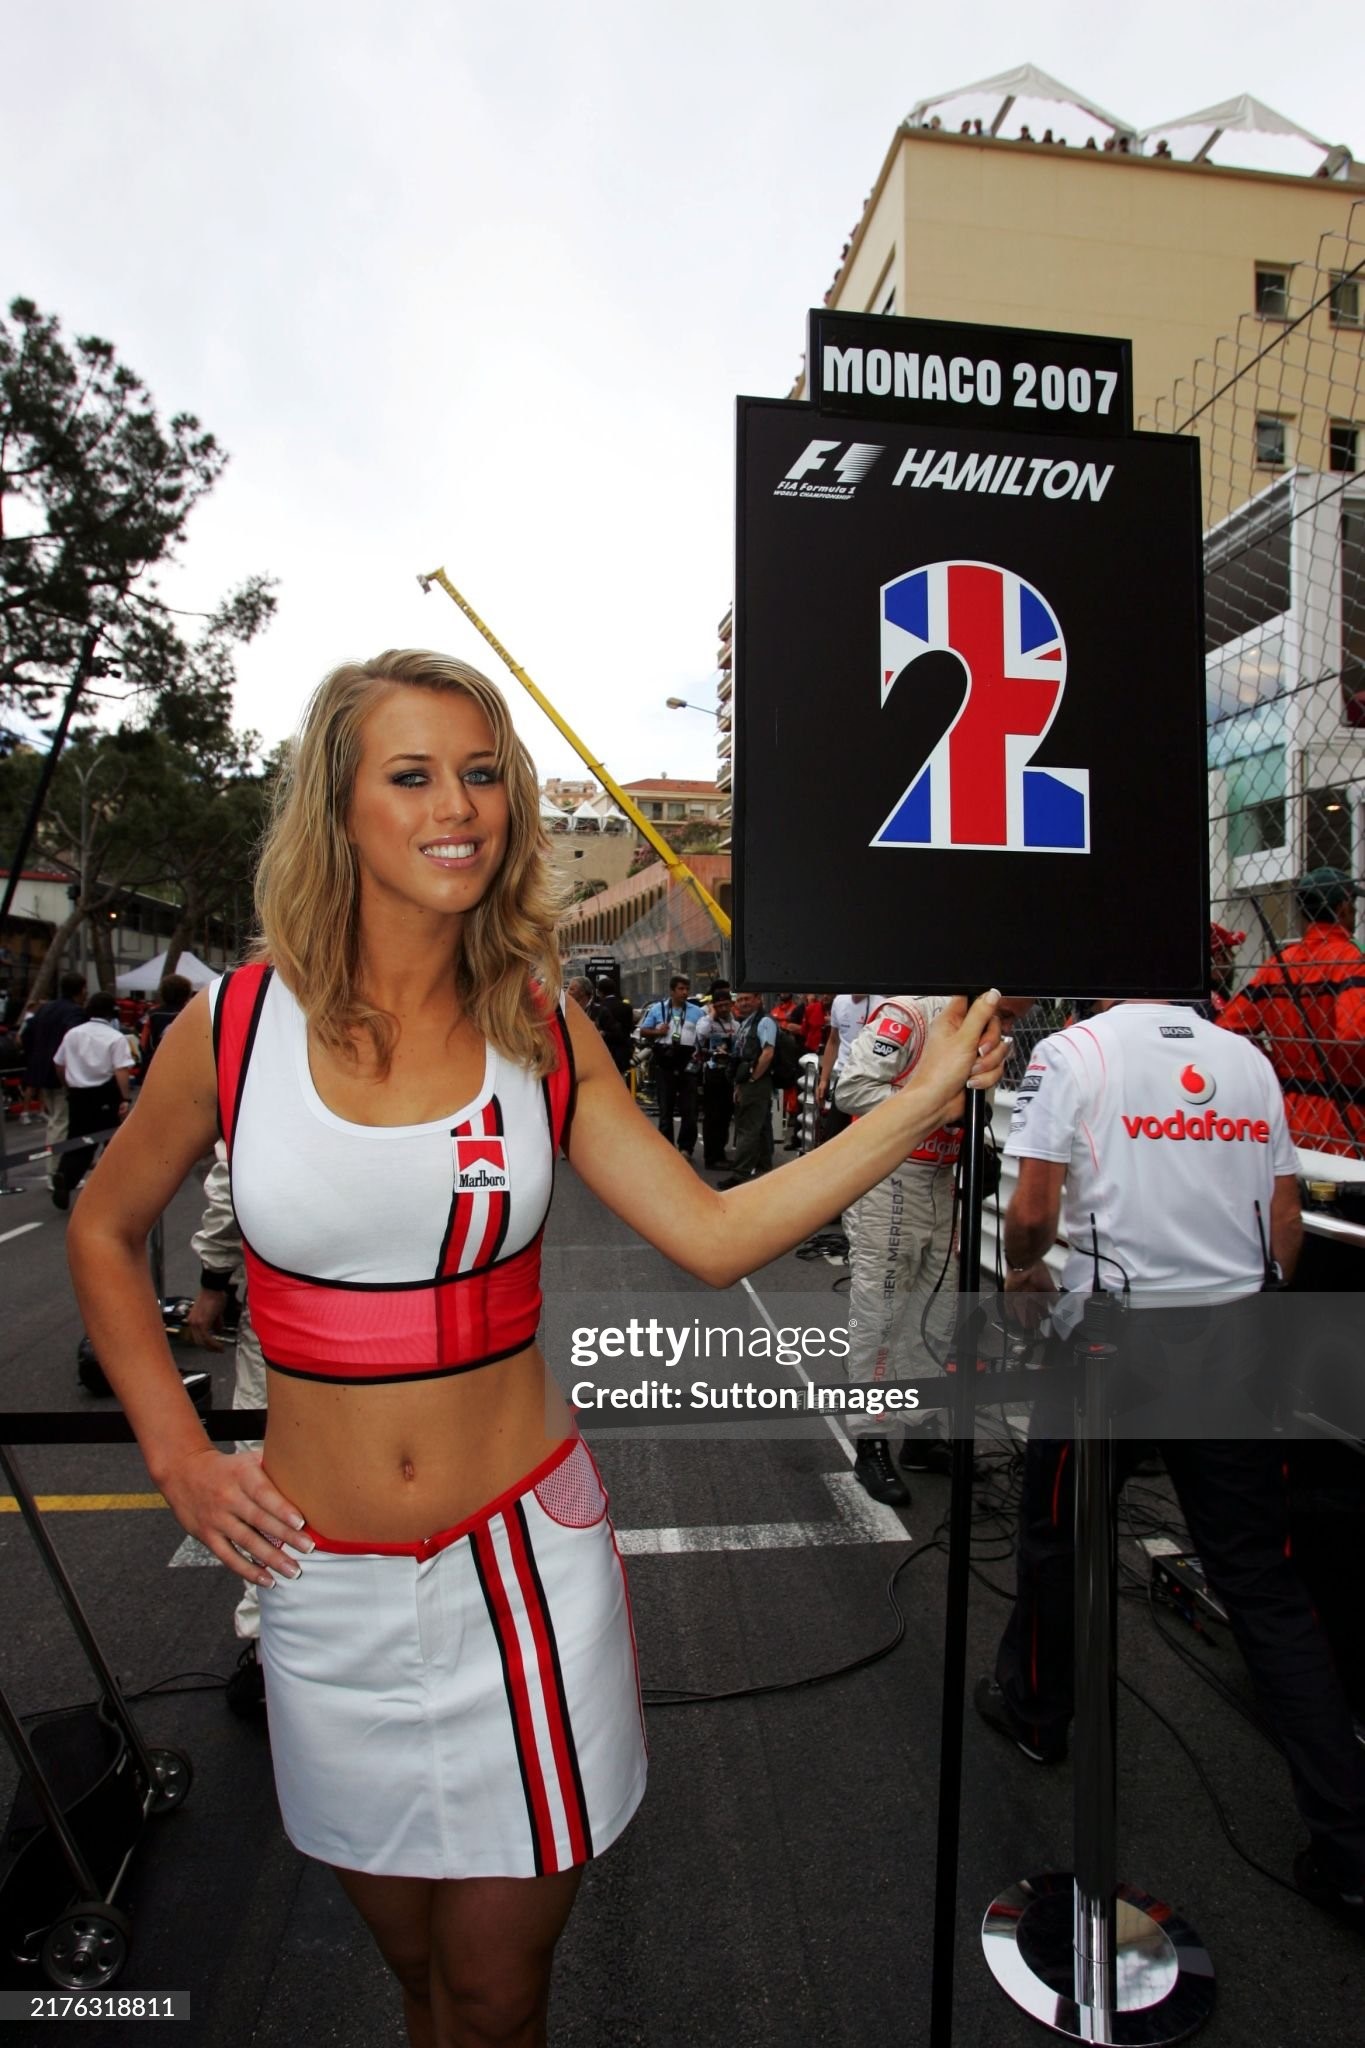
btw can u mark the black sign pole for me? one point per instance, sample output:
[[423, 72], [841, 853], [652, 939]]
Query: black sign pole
[[964, 554], [959, 1576]]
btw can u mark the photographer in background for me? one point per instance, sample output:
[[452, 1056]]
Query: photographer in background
[[671, 1029]]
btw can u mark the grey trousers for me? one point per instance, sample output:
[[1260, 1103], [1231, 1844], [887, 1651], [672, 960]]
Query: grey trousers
[[753, 1127]]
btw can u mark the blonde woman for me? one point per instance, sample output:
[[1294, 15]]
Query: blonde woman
[[450, 1674]]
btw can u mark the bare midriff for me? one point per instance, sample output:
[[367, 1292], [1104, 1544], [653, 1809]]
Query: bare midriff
[[393, 1464]]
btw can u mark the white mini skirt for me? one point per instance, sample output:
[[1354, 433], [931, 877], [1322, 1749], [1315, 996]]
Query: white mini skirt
[[468, 1706]]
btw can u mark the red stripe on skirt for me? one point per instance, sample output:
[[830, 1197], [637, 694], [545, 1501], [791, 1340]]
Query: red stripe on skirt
[[521, 1702], [559, 1739]]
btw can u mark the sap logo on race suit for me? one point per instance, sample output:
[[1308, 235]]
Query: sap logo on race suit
[[481, 1166], [976, 790], [1197, 1086], [837, 476], [894, 1029]]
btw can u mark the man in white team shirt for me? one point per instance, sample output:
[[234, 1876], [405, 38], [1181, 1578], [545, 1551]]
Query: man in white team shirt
[[847, 1016], [1170, 1134], [96, 1063]]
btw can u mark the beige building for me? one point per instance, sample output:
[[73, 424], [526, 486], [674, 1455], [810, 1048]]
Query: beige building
[[568, 794], [672, 800], [1168, 252], [592, 859]]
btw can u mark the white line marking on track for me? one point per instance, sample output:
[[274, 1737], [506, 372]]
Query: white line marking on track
[[22, 1231], [830, 1424], [857, 1519]]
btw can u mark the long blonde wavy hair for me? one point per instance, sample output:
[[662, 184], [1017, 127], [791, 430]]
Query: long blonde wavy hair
[[308, 883]]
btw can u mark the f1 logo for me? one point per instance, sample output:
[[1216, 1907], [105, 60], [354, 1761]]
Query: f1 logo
[[976, 789], [851, 467]]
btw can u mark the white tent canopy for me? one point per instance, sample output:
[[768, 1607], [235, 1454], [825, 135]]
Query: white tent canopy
[[1025, 82], [550, 809], [1242, 111], [147, 979], [1193, 136], [601, 806]]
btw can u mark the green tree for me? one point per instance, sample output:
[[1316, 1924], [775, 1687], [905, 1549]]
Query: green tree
[[94, 493], [132, 810]]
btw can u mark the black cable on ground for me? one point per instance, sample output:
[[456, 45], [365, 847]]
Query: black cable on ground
[[1214, 1801]]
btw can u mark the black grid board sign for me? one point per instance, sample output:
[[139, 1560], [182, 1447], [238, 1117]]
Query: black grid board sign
[[970, 741]]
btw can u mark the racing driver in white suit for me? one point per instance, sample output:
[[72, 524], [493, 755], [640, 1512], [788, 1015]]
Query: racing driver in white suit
[[903, 1287]]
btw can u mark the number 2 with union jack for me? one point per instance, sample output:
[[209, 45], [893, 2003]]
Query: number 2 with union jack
[[976, 789]]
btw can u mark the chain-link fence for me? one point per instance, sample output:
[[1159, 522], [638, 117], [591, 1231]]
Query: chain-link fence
[[1279, 409]]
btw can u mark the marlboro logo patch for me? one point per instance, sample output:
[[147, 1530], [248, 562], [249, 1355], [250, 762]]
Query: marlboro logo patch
[[480, 1166]]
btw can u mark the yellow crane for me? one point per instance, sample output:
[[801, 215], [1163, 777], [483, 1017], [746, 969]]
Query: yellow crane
[[676, 867]]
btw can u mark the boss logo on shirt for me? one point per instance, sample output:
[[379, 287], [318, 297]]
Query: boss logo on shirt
[[481, 1166], [1177, 1031]]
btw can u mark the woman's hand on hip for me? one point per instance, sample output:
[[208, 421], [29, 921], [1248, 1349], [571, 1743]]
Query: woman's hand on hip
[[228, 1503]]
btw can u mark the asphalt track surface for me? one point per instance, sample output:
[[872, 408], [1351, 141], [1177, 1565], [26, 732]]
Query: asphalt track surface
[[776, 1888]]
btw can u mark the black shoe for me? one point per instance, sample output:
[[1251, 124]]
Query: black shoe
[[995, 1711], [61, 1195], [245, 1690], [875, 1473], [925, 1454], [1348, 1907], [736, 1180], [931, 1454]]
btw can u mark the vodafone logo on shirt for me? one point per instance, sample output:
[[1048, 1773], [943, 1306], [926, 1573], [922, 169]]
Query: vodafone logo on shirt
[[1198, 1086]]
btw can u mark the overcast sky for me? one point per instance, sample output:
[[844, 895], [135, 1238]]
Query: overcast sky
[[476, 285]]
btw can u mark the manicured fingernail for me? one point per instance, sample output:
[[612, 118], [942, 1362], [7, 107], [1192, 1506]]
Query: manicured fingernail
[[296, 1522], [992, 995], [1006, 1038], [265, 1580], [306, 1545]]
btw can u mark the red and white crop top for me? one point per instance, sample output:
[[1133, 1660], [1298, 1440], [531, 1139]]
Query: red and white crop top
[[377, 1253]]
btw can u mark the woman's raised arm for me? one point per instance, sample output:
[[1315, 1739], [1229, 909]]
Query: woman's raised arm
[[720, 1237]]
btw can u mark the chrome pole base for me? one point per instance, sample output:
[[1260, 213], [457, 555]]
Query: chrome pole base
[[1165, 1986]]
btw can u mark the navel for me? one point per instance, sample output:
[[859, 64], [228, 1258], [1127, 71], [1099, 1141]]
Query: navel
[[409, 1469]]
